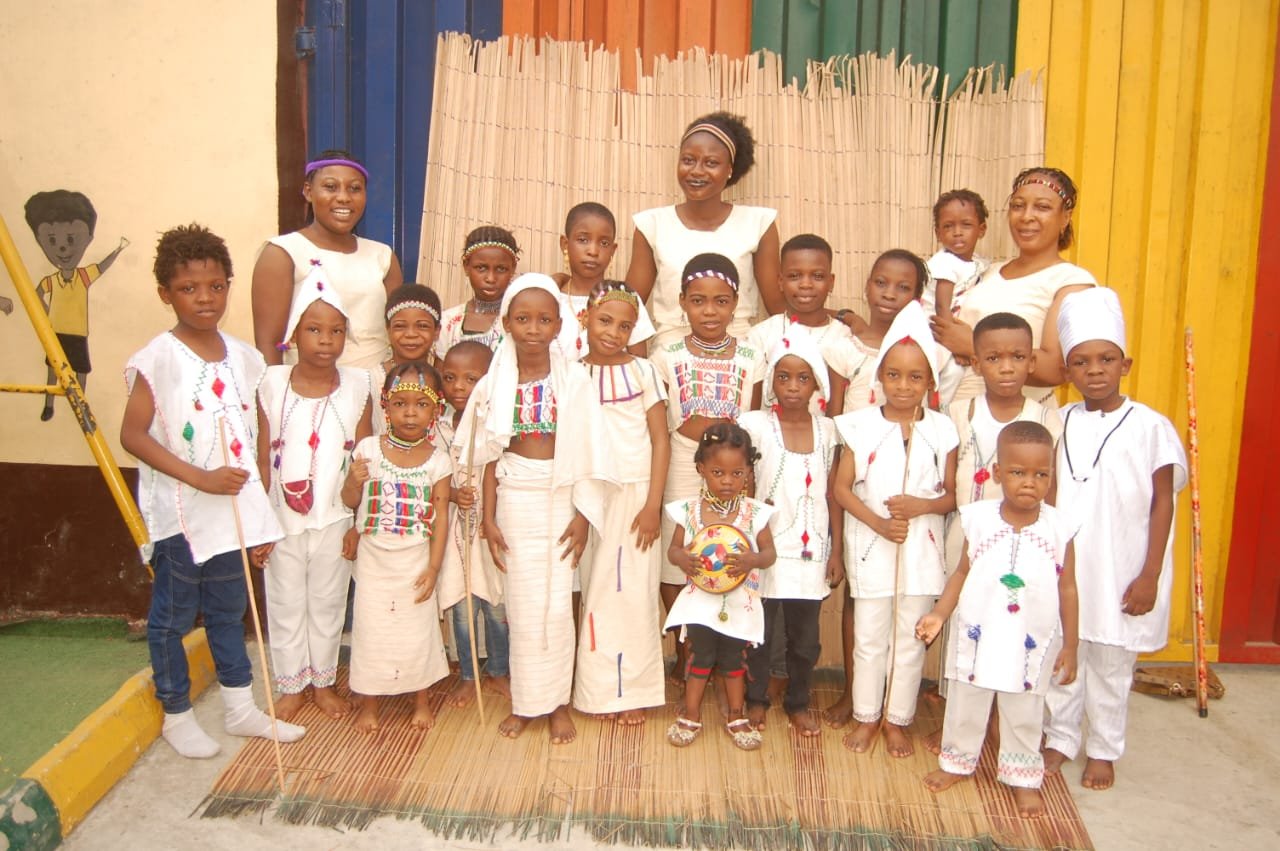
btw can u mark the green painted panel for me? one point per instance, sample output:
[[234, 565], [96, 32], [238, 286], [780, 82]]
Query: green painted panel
[[955, 35]]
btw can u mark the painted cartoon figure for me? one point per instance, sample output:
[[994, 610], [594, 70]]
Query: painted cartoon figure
[[63, 222]]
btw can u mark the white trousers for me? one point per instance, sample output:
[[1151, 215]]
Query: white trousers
[[307, 580], [1100, 693], [872, 639], [964, 728]]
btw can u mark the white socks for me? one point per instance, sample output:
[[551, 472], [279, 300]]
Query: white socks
[[182, 731], [244, 718]]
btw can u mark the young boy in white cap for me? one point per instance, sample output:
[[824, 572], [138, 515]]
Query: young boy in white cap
[[1119, 466]]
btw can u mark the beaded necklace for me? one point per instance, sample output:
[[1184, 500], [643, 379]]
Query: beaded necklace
[[479, 305], [403, 445], [299, 489], [805, 505], [714, 349], [723, 507]]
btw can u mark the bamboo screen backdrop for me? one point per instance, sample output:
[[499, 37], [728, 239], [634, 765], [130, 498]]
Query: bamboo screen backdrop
[[525, 129]]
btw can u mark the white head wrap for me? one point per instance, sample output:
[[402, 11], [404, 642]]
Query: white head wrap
[[314, 287], [1092, 314], [798, 341], [912, 323], [568, 320]]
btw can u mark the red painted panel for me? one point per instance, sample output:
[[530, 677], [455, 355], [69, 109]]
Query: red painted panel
[[1250, 620]]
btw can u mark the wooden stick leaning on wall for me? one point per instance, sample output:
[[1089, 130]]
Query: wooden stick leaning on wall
[[468, 541], [1197, 553]]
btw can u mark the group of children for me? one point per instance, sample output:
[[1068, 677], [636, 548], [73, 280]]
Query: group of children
[[515, 447]]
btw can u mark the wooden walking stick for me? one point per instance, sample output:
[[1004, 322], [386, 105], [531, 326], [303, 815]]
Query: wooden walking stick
[[468, 533], [253, 607], [1197, 555], [897, 588]]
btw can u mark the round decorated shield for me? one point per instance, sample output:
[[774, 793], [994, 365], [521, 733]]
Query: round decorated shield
[[713, 545]]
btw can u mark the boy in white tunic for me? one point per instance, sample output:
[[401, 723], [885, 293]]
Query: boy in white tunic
[[1120, 465], [896, 482], [1015, 584], [792, 474]]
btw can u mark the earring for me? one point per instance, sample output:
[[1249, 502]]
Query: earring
[[567, 267]]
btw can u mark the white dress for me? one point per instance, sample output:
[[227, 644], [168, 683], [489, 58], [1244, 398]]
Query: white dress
[[1030, 297], [192, 397], [742, 605], [674, 245], [879, 452], [1006, 625], [396, 646], [795, 484], [1105, 465], [946, 266], [619, 643], [358, 276]]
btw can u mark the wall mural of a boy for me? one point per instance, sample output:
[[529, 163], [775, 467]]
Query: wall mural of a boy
[[63, 223]]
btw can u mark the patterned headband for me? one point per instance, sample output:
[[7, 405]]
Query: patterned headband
[[707, 127], [489, 243], [409, 305], [711, 273], [1067, 203], [316, 165], [616, 294], [413, 387]]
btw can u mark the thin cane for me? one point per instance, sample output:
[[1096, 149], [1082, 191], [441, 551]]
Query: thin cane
[[897, 579], [1197, 554], [467, 533], [253, 607]]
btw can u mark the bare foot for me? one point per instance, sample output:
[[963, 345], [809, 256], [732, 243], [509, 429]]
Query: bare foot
[[1099, 774], [501, 685], [898, 741], [805, 724], [755, 715], [631, 717], [423, 717], [839, 713], [288, 705], [462, 694], [330, 702], [367, 717], [933, 742], [1053, 760], [563, 730], [931, 694], [1030, 803], [859, 739], [937, 780], [513, 725]]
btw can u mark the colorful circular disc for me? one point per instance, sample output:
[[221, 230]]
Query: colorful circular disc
[[713, 545]]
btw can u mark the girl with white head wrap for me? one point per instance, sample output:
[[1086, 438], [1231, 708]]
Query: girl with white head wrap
[[533, 505], [792, 475], [1119, 467], [898, 465]]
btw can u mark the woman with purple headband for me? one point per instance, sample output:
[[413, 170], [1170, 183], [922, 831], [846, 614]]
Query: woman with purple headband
[[1032, 285], [364, 272], [716, 151]]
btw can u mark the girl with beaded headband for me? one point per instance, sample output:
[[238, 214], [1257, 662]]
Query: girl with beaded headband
[[720, 628], [896, 482], [413, 325], [363, 271], [620, 668], [711, 376], [310, 416], [716, 152], [399, 486], [1031, 285], [534, 421], [792, 474], [489, 259]]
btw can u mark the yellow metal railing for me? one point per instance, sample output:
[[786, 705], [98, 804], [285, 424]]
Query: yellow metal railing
[[68, 387]]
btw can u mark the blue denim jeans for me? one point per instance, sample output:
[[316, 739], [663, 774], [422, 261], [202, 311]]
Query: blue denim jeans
[[498, 663], [183, 589]]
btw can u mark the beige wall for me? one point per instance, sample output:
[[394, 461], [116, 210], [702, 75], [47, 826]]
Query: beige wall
[[162, 112]]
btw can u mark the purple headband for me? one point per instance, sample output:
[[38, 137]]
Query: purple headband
[[316, 165]]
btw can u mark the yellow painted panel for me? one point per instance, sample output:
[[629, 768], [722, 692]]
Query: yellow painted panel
[[1161, 112]]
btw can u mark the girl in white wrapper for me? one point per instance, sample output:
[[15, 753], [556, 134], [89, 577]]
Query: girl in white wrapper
[[721, 627], [534, 422], [399, 486]]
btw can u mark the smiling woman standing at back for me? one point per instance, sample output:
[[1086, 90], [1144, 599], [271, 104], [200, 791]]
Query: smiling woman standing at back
[[716, 151], [362, 270]]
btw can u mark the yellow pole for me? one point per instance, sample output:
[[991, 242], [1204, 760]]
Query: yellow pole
[[68, 386]]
